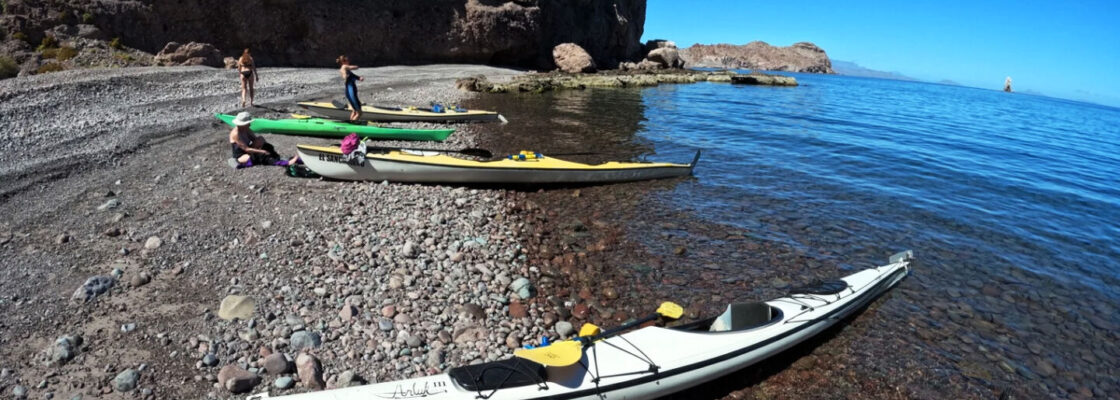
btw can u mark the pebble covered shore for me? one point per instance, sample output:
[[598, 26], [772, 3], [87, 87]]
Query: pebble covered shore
[[129, 240]]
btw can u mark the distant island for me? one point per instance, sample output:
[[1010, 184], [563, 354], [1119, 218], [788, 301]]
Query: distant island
[[850, 68]]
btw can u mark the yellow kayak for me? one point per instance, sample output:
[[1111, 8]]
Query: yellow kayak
[[341, 111], [435, 166]]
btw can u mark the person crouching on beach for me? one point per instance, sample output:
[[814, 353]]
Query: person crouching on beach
[[248, 71], [250, 149], [347, 71]]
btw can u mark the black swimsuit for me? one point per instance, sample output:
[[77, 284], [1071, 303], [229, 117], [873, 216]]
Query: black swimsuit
[[352, 90]]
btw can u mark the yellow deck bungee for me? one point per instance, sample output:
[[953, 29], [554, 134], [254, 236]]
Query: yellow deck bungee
[[531, 160]]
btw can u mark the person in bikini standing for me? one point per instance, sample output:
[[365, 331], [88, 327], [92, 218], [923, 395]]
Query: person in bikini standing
[[347, 71], [249, 76]]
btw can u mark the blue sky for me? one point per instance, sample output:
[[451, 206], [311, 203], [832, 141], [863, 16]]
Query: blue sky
[[1059, 48]]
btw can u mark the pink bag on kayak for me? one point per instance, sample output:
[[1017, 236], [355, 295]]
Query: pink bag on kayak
[[350, 143]]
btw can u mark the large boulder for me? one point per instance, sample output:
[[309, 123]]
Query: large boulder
[[667, 57], [571, 58], [192, 53]]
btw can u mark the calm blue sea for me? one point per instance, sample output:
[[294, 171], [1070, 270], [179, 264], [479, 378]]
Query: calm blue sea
[[1002, 178], [1011, 202]]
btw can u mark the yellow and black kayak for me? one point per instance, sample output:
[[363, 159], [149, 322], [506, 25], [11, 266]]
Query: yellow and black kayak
[[435, 166], [341, 111]]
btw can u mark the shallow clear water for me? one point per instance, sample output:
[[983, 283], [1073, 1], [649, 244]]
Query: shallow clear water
[[1010, 201], [1027, 180]]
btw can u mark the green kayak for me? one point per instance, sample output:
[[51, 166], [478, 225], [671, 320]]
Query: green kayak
[[318, 127]]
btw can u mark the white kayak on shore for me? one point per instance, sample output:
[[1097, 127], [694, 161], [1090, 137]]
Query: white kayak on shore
[[436, 167], [653, 361]]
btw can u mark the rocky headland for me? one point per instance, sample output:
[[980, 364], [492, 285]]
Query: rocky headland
[[758, 55], [545, 82]]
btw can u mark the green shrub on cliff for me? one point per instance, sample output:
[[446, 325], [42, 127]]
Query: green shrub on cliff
[[115, 43], [49, 42], [61, 53], [3, 7], [87, 18], [50, 67], [66, 53], [8, 67], [123, 57], [20, 36]]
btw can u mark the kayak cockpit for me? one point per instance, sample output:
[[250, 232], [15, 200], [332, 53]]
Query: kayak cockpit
[[737, 317], [492, 376]]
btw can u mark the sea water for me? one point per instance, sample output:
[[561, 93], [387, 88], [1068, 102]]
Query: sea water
[[1011, 202], [1016, 179]]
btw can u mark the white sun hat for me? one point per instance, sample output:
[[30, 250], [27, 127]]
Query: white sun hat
[[243, 118]]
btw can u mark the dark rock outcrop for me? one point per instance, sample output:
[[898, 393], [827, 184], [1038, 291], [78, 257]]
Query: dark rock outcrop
[[372, 32], [800, 57]]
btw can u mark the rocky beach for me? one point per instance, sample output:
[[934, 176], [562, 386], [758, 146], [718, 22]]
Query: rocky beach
[[135, 263], [140, 265], [127, 233]]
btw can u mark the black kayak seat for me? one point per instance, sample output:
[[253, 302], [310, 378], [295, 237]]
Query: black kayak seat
[[513, 372], [743, 316]]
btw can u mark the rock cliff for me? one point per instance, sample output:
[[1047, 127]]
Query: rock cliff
[[800, 57], [372, 32]]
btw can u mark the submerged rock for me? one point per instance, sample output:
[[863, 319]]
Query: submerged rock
[[756, 78]]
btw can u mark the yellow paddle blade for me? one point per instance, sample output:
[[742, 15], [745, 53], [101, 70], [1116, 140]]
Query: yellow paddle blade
[[588, 330], [670, 309], [558, 354], [301, 116]]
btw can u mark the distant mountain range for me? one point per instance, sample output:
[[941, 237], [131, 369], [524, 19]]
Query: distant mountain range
[[852, 69]]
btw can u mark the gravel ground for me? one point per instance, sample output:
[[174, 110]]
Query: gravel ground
[[121, 174]]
